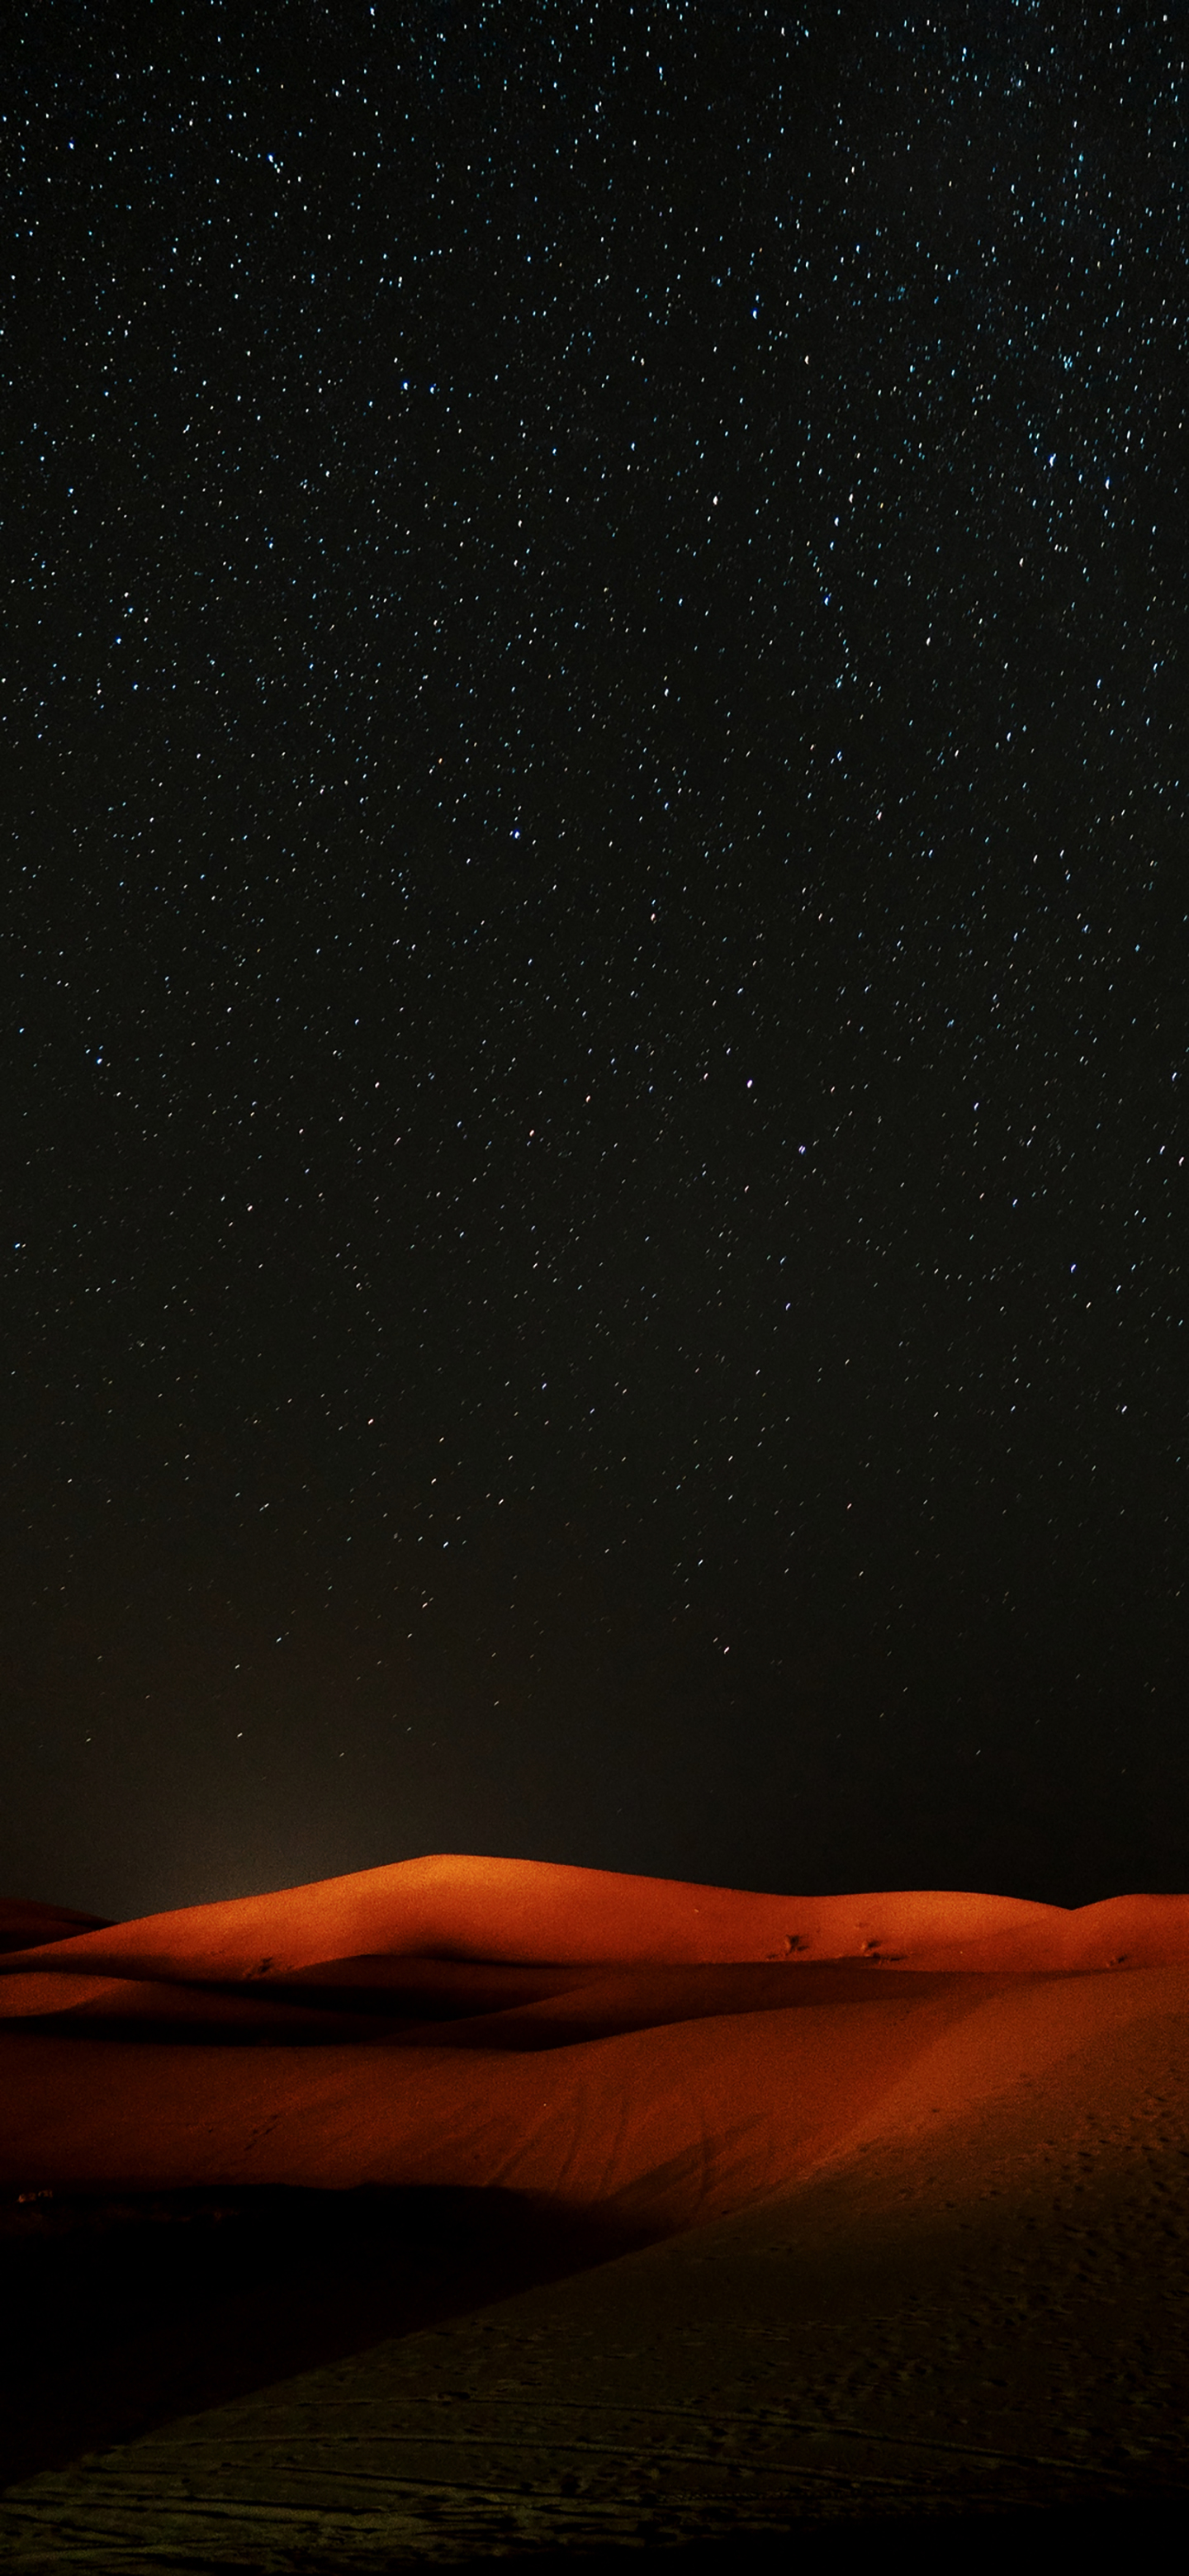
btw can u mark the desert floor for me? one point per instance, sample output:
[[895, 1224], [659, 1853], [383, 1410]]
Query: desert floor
[[957, 2315]]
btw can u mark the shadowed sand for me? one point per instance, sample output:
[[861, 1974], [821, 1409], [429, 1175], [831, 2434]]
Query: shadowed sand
[[915, 2147]]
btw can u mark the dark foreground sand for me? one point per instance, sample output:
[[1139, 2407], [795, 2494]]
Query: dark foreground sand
[[347, 2255]]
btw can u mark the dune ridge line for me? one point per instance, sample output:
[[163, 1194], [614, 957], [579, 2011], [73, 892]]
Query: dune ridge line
[[477, 1907]]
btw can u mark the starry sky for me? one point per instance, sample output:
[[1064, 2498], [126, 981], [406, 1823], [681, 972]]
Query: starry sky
[[595, 1030]]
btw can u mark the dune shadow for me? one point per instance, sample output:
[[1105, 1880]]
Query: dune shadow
[[125, 2311]]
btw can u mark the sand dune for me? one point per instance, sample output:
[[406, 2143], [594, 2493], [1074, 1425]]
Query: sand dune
[[904, 2174], [457, 1906], [24, 1922], [666, 2052]]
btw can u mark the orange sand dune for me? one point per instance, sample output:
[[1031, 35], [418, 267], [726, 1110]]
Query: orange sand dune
[[455, 1906], [23, 1922], [665, 2126], [663, 2052]]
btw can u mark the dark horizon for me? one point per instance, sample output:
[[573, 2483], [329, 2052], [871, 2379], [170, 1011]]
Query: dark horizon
[[596, 1034]]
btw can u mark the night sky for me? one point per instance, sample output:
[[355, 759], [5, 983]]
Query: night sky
[[595, 1032]]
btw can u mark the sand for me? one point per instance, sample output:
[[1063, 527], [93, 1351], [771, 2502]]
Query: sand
[[459, 1906], [829, 2211]]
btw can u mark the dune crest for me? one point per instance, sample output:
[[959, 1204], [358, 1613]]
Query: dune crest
[[466, 1906]]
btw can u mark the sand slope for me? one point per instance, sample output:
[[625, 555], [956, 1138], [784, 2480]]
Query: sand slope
[[23, 1922], [691, 2051], [908, 2172], [949, 2277], [459, 1906]]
